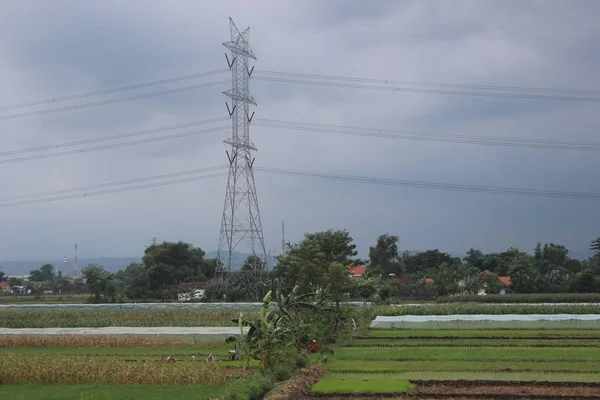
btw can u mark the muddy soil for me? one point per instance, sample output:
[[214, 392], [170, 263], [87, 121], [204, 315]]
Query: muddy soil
[[484, 390], [498, 388]]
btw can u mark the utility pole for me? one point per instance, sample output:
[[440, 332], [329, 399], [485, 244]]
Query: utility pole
[[75, 263], [64, 270], [282, 238], [154, 240], [241, 225]]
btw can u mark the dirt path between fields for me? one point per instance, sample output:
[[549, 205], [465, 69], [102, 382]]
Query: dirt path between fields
[[299, 385]]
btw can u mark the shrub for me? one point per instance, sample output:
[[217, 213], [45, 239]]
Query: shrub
[[525, 298]]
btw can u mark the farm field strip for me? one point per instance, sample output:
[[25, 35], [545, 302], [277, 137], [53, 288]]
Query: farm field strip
[[480, 354], [113, 330], [453, 365], [131, 318], [495, 334], [486, 344], [358, 366], [107, 341], [470, 376]]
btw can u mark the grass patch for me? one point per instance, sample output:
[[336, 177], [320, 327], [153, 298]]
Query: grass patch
[[404, 341], [361, 366], [517, 354], [329, 385], [107, 392], [485, 308], [130, 317], [216, 349], [492, 376], [505, 333]]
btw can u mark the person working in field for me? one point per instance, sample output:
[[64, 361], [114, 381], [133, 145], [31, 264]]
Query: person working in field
[[314, 347]]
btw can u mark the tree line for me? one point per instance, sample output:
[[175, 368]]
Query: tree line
[[319, 264]]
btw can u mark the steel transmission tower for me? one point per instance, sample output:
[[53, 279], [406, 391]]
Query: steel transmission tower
[[241, 227]]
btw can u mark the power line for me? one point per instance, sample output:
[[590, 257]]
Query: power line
[[422, 83], [124, 189], [101, 103], [112, 137], [115, 145], [104, 185], [439, 186], [431, 91], [31, 198], [113, 90], [426, 136]]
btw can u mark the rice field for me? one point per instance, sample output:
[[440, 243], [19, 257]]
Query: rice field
[[114, 367], [476, 364], [115, 317]]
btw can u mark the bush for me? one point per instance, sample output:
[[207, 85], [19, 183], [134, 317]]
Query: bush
[[525, 298], [253, 388], [490, 309]]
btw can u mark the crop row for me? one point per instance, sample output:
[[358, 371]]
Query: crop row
[[15, 369], [482, 308], [95, 318], [94, 341], [525, 298]]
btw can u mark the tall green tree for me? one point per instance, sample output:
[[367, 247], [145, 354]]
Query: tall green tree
[[475, 258], [595, 246], [47, 271], [384, 255], [524, 275], [307, 263], [170, 263], [95, 279], [136, 281], [3, 276]]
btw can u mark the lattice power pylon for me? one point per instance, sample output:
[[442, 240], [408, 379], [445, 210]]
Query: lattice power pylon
[[241, 227]]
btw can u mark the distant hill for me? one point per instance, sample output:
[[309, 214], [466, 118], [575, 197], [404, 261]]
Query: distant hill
[[111, 264]]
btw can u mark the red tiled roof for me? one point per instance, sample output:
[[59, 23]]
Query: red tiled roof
[[356, 270], [505, 280], [4, 285], [429, 281]]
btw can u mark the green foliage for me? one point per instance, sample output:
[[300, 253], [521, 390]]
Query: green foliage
[[92, 318], [525, 298], [482, 308], [384, 255], [307, 263], [595, 246], [253, 388]]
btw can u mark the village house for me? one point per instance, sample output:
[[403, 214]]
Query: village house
[[357, 271], [188, 291], [487, 278]]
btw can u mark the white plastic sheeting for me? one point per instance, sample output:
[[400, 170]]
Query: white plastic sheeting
[[507, 321], [136, 305], [170, 330]]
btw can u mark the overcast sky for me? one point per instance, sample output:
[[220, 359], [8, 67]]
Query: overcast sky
[[62, 48]]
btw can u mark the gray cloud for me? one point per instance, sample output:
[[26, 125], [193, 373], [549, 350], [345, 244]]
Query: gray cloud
[[66, 48]]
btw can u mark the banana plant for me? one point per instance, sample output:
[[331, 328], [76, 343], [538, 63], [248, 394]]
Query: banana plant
[[276, 330]]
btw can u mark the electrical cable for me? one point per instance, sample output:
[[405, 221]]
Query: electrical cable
[[345, 178], [439, 186], [115, 145], [118, 183], [431, 91], [426, 136], [118, 100], [113, 90], [124, 189], [113, 137], [421, 83]]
